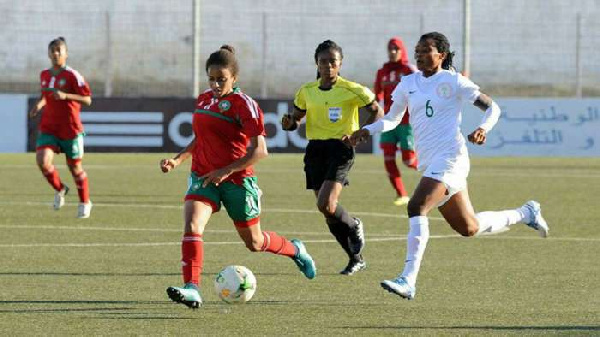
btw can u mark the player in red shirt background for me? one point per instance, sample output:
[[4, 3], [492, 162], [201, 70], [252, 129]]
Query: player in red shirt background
[[224, 122], [60, 129], [387, 79]]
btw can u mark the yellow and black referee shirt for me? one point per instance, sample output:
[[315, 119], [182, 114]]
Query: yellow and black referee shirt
[[332, 113]]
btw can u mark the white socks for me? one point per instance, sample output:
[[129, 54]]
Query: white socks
[[493, 222], [418, 235]]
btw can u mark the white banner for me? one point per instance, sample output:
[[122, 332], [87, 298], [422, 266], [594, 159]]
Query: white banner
[[13, 128], [539, 127]]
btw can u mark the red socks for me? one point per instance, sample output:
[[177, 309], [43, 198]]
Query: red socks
[[389, 155], [81, 181], [192, 257], [53, 178], [276, 244]]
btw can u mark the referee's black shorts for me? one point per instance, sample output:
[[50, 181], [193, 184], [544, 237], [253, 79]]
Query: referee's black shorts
[[329, 159]]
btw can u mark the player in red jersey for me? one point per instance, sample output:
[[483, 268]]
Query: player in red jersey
[[387, 79], [224, 122], [63, 92]]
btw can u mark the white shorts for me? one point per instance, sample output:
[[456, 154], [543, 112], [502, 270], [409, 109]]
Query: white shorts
[[451, 171]]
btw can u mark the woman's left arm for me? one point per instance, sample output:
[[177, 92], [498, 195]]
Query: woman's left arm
[[492, 114], [61, 96], [256, 152]]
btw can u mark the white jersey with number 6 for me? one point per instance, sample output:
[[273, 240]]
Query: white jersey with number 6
[[435, 107]]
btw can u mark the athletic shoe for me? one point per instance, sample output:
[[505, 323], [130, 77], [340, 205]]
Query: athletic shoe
[[59, 197], [357, 237], [303, 260], [84, 210], [401, 201], [400, 287], [188, 295], [353, 267], [536, 221]]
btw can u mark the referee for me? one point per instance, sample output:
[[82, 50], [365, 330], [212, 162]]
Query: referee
[[331, 106]]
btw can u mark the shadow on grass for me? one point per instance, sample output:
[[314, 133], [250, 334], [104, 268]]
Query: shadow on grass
[[554, 328]]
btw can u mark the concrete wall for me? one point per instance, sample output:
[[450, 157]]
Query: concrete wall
[[515, 44]]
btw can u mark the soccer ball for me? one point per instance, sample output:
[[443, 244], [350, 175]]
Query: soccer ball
[[235, 284]]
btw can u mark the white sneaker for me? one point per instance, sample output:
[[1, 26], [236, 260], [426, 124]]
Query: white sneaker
[[84, 210], [59, 197], [536, 221], [400, 287]]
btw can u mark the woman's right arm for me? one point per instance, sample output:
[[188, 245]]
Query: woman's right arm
[[167, 165], [37, 107], [291, 121], [388, 122]]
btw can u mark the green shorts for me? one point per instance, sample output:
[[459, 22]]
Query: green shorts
[[401, 135], [72, 148], [242, 202]]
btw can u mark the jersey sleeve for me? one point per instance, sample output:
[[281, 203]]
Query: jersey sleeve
[[251, 117], [79, 85], [467, 90], [364, 96], [378, 90], [300, 99]]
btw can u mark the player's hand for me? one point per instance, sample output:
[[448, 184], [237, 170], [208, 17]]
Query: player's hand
[[33, 112], [478, 136], [289, 123], [167, 165], [216, 177], [359, 136], [59, 95]]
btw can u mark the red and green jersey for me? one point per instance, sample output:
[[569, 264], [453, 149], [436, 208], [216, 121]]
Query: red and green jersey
[[61, 117], [223, 128], [387, 78]]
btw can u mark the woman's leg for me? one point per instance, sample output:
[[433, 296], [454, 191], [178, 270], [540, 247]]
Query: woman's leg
[[459, 213], [257, 240], [196, 216], [347, 230]]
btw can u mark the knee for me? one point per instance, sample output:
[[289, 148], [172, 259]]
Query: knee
[[45, 167], [326, 207], [253, 245], [469, 229], [415, 208]]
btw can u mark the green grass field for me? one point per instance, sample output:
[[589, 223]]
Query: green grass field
[[107, 275]]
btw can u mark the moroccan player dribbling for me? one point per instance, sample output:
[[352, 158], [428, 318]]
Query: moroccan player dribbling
[[63, 92], [224, 121]]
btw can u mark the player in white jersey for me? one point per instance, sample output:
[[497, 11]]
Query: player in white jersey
[[434, 96]]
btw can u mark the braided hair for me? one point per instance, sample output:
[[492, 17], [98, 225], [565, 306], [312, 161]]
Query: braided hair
[[224, 57], [443, 46]]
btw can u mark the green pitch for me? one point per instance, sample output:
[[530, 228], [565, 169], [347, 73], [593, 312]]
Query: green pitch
[[107, 275]]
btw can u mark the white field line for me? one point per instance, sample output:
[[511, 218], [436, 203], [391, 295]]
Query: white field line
[[475, 172], [380, 239], [266, 210]]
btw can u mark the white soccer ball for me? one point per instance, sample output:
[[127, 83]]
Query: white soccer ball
[[235, 284]]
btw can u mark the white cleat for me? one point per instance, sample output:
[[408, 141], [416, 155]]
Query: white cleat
[[59, 198], [400, 287], [536, 221], [84, 210]]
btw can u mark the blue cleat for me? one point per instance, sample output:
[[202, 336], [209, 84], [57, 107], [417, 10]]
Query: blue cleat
[[303, 260], [536, 221], [400, 287], [188, 295]]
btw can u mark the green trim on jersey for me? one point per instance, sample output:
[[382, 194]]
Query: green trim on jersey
[[217, 115], [56, 72]]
